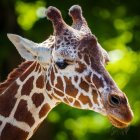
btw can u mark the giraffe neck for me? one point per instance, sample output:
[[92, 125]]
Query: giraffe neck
[[24, 103]]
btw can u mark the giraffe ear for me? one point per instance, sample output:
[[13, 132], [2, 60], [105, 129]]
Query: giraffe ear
[[24, 46], [28, 49]]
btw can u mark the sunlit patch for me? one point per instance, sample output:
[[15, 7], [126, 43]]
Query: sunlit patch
[[54, 117], [41, 12], [120, 24], [85, 124], [116, 55], [27, 11], [122, 65]]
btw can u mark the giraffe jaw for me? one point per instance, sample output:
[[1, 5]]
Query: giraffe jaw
[[117, 122]]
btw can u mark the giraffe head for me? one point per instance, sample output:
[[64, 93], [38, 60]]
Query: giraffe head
[[75, 67]]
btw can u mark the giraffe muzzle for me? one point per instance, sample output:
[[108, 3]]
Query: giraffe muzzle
[[118, 122]]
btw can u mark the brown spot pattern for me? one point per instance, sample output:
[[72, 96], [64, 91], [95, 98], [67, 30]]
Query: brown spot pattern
[[27, 72], [84, 86], [11, 132], [59, 93], [52, 76], [76, 78], [44, 110], [79, 55], [80, 68], [27, 87], [70, 88], [40, 81], [7, 100], [48, 86], [66, 100], [77, 104], [88, 79], [59, 83], [95, 96], [14, 75], [98, 82], [85, 100], [37, 99], [55, 70], [22, 114], [86, 58], [53, 95], [70, 99], [50, 96], [37, 67]]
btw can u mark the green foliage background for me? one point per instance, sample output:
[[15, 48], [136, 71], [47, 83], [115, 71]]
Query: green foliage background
[[116, 23]]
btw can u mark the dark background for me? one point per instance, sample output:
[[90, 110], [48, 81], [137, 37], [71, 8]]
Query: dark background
[[116, 23]]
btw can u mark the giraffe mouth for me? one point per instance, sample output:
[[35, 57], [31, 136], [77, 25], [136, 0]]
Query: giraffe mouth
[[117, 122]]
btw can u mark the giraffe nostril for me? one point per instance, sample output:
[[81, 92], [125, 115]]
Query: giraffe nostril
[[114, 100]]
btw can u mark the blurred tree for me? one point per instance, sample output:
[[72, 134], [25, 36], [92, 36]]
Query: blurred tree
[[116, 23]]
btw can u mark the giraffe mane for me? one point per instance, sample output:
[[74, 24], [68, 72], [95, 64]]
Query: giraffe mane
[[14, 75]]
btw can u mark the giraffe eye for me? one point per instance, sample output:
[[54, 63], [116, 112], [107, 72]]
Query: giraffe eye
[[62, 64], [114, 100]]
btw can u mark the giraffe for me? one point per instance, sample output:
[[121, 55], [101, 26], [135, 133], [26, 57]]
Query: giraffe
[[68, 67]]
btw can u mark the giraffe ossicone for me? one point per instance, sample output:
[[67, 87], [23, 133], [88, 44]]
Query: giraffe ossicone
[[68, 67]]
